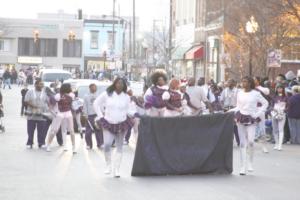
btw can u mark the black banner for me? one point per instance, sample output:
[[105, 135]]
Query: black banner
[[184, 145]]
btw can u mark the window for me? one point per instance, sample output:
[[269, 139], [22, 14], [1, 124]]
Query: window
[[292, 52], [43, 47], [110, 38], [72, 48], [94, 39]]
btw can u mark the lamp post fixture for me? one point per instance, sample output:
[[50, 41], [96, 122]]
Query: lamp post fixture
[[251, 29], [36, 36]]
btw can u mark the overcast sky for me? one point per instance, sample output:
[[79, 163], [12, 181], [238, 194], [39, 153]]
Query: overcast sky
[[147, 10]]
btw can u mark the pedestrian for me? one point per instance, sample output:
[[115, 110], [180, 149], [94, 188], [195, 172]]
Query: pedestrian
[[23, 94], [294, 115], [89, 114], [247, 116], [198, 97], [64, 117], [278, 113], [261, 127], [228, 99], [7, 79], [154, 104], [36, 102], [173, 99], [188, 107], [113, 108]]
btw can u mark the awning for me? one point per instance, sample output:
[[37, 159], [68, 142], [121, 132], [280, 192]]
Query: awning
[[180, 52], [195, 53]]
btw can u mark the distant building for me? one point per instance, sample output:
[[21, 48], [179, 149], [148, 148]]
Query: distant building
[[48, 43]]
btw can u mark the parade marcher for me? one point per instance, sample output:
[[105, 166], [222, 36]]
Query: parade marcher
[[6, 79], [113, 110], [23, 94], [77, 108], [36, 102], [173, 99], [52, 112], [64, 117], [247, 116], [198, 97], [154, 104], [228, 99], [294, 115], [138, 104], [90, 114], [278, 113], [21, 78], [189, 107]]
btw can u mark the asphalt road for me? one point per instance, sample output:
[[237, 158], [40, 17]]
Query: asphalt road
[[36, 174]]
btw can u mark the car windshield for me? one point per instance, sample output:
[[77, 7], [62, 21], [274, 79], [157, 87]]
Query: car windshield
[[52, 77], [83, 90]]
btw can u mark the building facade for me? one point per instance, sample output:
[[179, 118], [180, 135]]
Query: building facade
[[103, 44], [42, 43]]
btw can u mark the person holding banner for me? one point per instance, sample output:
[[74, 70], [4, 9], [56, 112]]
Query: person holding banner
[[247, 116], [154, 104]]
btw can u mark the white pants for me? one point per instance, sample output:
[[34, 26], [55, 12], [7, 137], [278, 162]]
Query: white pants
[[246, 135], [66, 124], [155, 112], [278, 131], [110, 137], [78, 121], [261, 127]]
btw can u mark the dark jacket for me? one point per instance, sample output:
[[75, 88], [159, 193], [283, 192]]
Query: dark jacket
[[294, 107]]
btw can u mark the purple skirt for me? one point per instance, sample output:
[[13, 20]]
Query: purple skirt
[[116, 128], [246, 120]]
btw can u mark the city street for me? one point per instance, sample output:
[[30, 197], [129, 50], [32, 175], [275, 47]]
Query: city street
[[36, 174]]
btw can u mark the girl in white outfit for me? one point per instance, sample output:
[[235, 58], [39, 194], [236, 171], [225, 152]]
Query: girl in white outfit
[[113, 108], [64, 117], [247, 116]]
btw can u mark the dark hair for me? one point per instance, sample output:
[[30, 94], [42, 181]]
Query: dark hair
[[259, 79], [65, 88], [92, 84], [156, 75], [280, 86], [251, 81], [37, 81], [282, 76], [112, 88]]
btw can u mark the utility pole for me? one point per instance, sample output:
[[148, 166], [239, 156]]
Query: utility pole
[[113, 31], [170, 35], [133, 27], [153, 43]]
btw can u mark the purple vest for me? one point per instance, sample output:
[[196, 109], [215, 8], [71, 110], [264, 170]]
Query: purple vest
[[158, 92], [175, 100], [65, 103]]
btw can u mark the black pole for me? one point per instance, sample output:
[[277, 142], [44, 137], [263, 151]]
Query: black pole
[[133, 27], [250, 57]]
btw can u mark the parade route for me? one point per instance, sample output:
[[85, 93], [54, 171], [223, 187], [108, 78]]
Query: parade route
[[36, 174]]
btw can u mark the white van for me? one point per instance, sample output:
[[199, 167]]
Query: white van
[[49, 76]]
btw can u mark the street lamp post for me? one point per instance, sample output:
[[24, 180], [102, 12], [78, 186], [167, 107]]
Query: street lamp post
[[251, 28]]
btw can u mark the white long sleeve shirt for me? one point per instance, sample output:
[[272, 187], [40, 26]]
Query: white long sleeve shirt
[[247, 103], [113, 108]]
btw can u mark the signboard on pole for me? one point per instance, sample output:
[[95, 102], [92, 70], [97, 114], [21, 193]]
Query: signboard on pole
[[274, 58]]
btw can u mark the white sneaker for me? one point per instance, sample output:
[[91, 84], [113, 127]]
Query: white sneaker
[[250, 168], [265, 150], [275, 147], [107, 170], [29, 146], [65, 148], [88, 148], [74, 150], [48, 149], [116, 173], [243, 171]]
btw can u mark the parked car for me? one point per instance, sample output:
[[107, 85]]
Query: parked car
[[49, 76]]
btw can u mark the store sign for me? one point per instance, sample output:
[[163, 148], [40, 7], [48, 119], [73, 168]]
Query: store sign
[[30, 60], [274, 58]]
